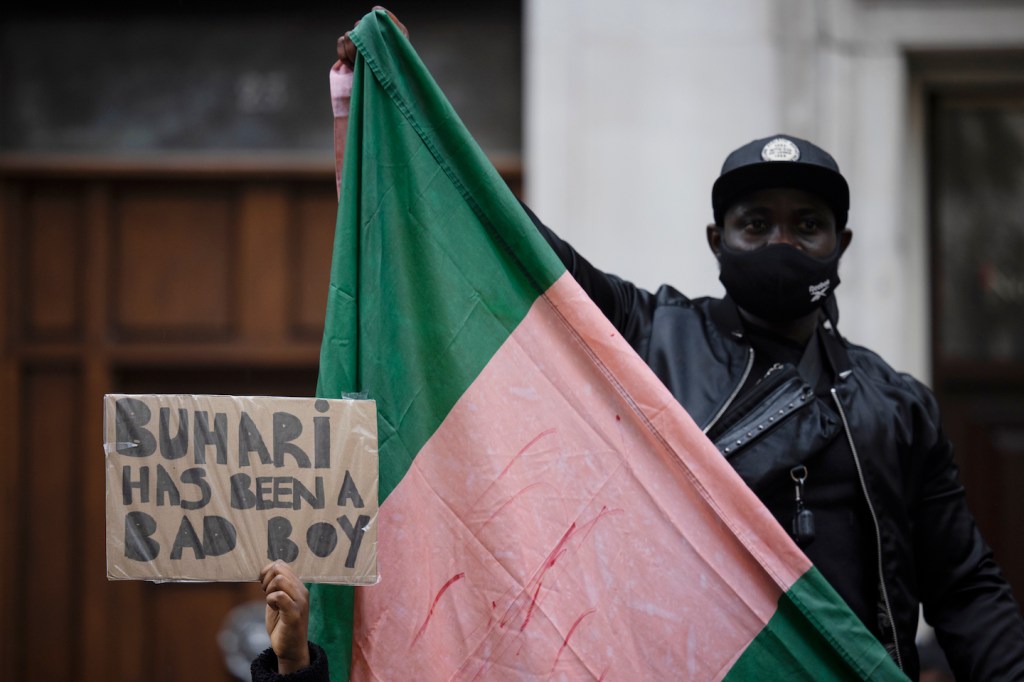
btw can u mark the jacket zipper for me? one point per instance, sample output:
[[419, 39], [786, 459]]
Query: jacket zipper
[[874, 521], [736, 391]]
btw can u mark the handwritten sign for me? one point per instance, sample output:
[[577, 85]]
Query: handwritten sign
[[212, 488]]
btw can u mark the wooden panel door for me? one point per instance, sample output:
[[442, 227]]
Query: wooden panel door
[[977, 199], [152, 281]]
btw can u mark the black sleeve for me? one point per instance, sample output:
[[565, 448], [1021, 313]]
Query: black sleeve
[[264, 668], [627, 306], [966, 598]]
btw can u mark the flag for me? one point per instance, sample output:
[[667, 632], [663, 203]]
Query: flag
[[548, 510]]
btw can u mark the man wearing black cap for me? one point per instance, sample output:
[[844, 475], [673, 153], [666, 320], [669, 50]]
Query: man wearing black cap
[[846, 453]]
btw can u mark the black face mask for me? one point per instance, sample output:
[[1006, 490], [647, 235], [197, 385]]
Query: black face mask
[[778, 283]]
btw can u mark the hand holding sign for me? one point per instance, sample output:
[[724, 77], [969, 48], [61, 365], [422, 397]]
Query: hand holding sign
[[287, 616]]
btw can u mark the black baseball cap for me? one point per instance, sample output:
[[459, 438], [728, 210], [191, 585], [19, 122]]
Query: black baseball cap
[[781, 161]]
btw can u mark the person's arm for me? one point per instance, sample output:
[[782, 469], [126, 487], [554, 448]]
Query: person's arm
[[966, 599], [341, 97], [292, 657], [626, 305], [287, 616], [341, 91]]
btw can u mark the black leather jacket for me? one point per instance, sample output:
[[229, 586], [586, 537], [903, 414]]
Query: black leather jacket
[[925, 545]]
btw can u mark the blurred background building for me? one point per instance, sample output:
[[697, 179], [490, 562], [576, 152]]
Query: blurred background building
[[167, 206]]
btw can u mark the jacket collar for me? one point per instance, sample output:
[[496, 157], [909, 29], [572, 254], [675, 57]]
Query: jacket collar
[[726, 317]]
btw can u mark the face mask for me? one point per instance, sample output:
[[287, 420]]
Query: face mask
[[778, 283]]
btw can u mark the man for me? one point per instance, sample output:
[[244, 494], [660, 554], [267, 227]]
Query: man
[[846, 453]]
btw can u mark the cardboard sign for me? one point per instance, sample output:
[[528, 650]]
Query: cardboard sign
[[212, 488]]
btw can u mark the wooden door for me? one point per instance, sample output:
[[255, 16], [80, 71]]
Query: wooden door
[[977, 200], [148, 281], [165, 227]]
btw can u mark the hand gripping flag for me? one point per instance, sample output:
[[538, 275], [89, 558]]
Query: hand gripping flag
[[548, 510]]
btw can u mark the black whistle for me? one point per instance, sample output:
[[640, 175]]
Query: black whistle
[[803, 520]]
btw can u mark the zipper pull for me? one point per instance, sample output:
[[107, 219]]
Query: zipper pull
[[803, 519]]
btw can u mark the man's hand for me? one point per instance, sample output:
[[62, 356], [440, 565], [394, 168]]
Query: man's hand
[[347, 51], [287, 616]]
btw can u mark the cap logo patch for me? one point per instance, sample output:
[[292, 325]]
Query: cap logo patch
[[780, 149]]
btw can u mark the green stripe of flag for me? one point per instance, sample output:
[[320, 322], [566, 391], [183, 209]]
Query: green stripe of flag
[[802, 632]]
